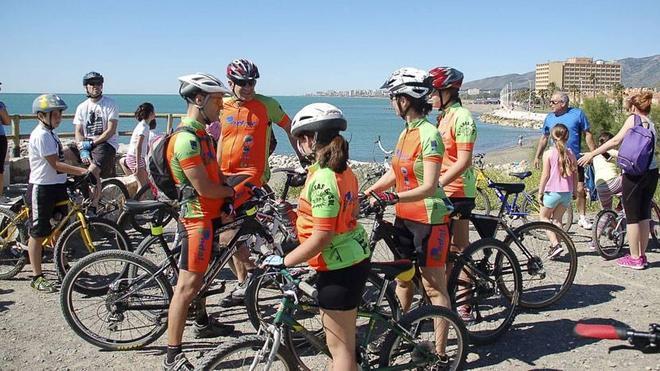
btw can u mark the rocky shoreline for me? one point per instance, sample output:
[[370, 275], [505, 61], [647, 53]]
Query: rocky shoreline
[[520, 119]]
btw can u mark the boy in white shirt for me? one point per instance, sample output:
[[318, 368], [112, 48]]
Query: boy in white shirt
[[47, 189]]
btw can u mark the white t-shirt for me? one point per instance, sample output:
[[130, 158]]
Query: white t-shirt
[[605, 169], [44, 142], [141, 129], [95, 117]]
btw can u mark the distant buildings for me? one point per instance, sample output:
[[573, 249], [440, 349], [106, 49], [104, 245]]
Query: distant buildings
[[581, 74], [350, 93], [473, 91]]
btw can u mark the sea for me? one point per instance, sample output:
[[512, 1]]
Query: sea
[[368, 119]]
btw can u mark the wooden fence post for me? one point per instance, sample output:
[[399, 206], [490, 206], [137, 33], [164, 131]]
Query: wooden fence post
[[168, 129]]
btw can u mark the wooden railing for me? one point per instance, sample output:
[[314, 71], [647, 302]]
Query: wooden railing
[[16, 135]]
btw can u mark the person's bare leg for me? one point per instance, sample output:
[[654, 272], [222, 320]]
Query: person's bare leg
[[96, 194], [404, 292], [435, 285], [634, 235], [35, 247], [644, 234], [339, 327], [581, 199], [188, 285]]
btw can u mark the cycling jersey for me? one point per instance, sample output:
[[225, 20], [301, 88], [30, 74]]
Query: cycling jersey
[[459, 133], [419, 142], [186, 151], [328, 202]]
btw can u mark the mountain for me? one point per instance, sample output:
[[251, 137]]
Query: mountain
[[635, 72]]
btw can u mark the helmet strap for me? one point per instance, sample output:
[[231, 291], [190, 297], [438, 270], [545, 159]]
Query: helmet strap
[[233, 91], [200, 108]]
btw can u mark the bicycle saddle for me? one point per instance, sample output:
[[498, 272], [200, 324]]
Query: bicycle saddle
[[137, 207], [522, 175], [508, 187], [392, 269]]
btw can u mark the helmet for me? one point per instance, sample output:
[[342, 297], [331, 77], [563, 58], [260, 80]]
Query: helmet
[[48, 103], [242, 69], [446, 77], [92, 77], [318, 117], [409, 81], [196, 83]]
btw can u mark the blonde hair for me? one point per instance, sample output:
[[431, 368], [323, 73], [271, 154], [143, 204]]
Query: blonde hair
[[642, 101], [559, 135]]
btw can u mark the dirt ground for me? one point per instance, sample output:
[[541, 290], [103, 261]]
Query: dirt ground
[[34, 335]]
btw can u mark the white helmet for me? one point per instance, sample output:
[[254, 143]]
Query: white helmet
[[410, 81], [196, 83], [318, 117]]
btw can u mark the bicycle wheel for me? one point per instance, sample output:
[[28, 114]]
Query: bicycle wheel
[[142, 222], [533, 208], [13, 232], [434, 330], [609, 234], [476, 284], [239, 354], [111, 319], [152, 249], [72, 246], [144, 193], [113, 197], [655, 224], [545, 280], [482, 203]]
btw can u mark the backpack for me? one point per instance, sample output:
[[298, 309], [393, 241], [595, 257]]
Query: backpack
[[159, 170], [637, 149]]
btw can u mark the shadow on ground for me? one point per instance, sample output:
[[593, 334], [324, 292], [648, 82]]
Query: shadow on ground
[[580, 296]]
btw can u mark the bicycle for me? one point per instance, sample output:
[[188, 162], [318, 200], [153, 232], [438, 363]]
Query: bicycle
[[75, 235], [131, 294], [529, 208], [646, 342], [401, 346], [609, 232]]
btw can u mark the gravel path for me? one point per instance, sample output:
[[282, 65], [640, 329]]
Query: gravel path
[[34, 335]]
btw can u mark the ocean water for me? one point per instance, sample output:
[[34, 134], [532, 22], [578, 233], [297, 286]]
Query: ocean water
[[367, 119]]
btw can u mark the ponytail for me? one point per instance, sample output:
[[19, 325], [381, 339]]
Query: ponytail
[[566, 164], [333, 155], [143, 111]]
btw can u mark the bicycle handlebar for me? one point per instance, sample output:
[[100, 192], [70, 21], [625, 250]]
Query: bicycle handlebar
[[600, 331], [380, 146]]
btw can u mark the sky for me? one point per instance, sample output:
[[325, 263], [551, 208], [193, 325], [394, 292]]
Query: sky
[[141, 47]]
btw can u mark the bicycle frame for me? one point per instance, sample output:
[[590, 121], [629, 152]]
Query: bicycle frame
[[512, 209]]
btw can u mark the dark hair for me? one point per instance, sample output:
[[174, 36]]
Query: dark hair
[[152, 124], [420, 105], [454, 95], [143, 111], [333, 154], [604, 137]]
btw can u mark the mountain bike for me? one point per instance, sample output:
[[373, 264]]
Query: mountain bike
[[644, 341], [410, 342]]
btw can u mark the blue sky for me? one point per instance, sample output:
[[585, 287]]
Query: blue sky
[[303, 46]]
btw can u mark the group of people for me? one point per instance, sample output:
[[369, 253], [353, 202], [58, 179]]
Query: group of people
[[227, 134]]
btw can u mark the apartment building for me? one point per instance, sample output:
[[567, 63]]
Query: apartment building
[[582, 73]]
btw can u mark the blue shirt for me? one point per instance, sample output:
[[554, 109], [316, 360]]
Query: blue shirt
[[2, 127], [575, 120]]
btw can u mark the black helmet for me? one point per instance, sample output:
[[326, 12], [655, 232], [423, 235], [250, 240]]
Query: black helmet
[[92, 78]]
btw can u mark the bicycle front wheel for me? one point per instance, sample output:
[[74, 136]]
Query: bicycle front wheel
[[608, 234], [13, 231], [113, 197], [545, 278], [244, 352], [655, 224], [482, 203], [485, 285], [439, 341], [129, 307]]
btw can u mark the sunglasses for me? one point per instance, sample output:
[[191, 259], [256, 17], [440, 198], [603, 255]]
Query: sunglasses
[[243, 83], [556, 102], [95, 83]]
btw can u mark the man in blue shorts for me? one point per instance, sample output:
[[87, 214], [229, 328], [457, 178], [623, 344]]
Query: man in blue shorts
[[577, 124]]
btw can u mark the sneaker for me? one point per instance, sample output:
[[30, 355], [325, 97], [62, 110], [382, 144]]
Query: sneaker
[[555, 251], [582, 222], [42, 284], [465, 312], [237, 297], [592, 245], [180, 363], [644, 261], [212, 330], [628, 261]]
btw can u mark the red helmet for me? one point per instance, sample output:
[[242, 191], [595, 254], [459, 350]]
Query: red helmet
[[446, 77], [242, 69]]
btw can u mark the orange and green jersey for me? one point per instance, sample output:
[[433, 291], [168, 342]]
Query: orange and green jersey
[[419, 142], [245, 136], [186, 151], [329, 202], [459, 133]]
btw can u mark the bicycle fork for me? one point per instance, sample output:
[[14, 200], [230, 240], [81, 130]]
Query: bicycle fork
[[86, 236], [275, 335]]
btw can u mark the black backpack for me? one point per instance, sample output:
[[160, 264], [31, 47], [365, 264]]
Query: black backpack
[[159, 171]]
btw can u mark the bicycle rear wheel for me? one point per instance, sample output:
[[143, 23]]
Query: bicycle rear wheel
[[111, 318], [545, 280], [435, 330], [239, 354], [655, 224], [482, 203], [485, 283], [152, 249], [13, 232], [609, 234]]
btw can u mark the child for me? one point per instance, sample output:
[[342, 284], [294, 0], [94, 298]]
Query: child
[[136, 157], [47, 189], [607, 177], [558, 183]]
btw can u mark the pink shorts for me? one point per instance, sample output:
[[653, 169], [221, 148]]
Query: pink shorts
[[132, 163]]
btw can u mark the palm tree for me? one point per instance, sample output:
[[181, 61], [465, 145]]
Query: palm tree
[[593, 80], [574, 90], [617, 89], [543, 94], [552, 88]]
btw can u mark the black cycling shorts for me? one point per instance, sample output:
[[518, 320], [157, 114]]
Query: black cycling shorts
[[426, 244], [103, 156], [637, 195], [342, 289], [3, 153], [463, 206], [45, 201]]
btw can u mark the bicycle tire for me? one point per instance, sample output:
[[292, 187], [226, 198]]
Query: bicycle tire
[[608, 235], [144, 191], [566, 220], [481, 199], [655, 224], [69, 249], [217, 359], [68, 298], [141, 222], [12, 231], [393, 341], [151, 249], [534, 269], [113, 197], [487, 285]]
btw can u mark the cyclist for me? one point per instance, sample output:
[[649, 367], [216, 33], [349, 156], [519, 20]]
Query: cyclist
[[246, 141], [421, 213], [47, 192], [95, 131], [192, 162], [332, 241]]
